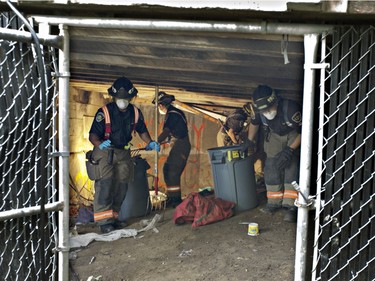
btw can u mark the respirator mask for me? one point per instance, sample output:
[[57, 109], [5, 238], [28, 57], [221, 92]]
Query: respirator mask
[[122, 103], [270, 115]]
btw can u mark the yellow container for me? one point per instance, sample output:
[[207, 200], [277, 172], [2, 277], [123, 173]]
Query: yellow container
[[253, 229]]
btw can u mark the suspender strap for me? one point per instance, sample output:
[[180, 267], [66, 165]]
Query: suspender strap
[[285, 109], [136, 117], [264, 119], [174, 111], [107, 120]]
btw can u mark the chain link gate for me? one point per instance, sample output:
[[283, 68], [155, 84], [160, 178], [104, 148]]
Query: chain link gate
[[28, 223], [345, 223]]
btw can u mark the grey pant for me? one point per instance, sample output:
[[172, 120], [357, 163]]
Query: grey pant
[[175, 165], [111, 183], [278, 183]]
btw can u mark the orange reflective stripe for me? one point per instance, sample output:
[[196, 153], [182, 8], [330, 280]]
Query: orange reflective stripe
[[107, 121], [274, 195], [106, 114], [103, 215], [115, 215], [293, 194], [173, 188]]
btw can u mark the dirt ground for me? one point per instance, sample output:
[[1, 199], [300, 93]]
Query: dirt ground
[[219, 251]]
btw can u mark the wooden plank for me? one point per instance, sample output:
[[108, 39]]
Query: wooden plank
[[185, 62], [246, 78], [186, 39], [171, 45]]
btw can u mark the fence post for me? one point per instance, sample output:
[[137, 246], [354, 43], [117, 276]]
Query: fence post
[[311, 45], [63, 76]]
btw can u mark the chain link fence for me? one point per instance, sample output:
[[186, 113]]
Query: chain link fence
[[345, 241], [28, 231]]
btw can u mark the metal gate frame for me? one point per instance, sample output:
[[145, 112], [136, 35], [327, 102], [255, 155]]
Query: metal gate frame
[[311, 33], [34, 247]]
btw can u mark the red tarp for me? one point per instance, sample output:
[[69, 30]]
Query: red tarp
[[202, 210]]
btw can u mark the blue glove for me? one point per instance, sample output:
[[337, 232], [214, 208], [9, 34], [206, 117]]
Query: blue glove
[[153, 145], [104, 144]]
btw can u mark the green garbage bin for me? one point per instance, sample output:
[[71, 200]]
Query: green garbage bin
[[233, 175]]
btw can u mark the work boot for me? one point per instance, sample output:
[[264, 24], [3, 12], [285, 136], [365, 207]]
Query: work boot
[[291, 215], [173, 202], [270, 209], [106, 228], [119, 224]]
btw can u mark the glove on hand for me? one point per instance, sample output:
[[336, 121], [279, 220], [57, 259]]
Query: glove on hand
[[227, 141], [104, 144], [153, 145], [284, 157], [250, 146]]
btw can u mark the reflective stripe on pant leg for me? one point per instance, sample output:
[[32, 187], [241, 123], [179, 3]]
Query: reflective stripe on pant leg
[[103, 217], [103, 212], [174, 191], [274, 197], [273, 178], [290, 195]]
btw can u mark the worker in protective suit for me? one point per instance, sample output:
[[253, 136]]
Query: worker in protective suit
[[110, 160], [175, 131], [234, 129], [282, 120]]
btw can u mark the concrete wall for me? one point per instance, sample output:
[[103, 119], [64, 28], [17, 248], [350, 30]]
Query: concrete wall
[[83, 106]]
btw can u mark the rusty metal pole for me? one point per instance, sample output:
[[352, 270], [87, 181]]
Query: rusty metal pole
[[156, 177]]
